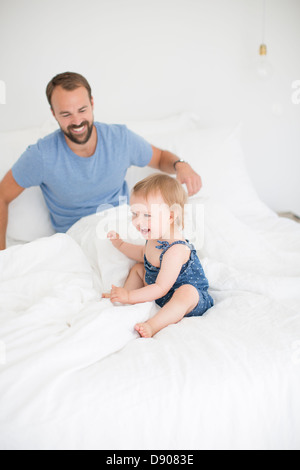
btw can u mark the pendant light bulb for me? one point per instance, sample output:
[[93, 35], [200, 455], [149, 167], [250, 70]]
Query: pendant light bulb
[[264, 68]]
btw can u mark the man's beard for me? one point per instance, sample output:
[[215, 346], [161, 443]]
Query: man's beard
[[80, 139]]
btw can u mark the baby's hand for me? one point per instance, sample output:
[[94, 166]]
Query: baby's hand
[[114, 237], [117, 294], [106, 295]]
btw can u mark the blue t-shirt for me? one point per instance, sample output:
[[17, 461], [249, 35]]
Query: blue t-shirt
[[73, 186]]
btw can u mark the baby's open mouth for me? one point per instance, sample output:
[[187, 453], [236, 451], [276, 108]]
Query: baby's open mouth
[[145, 231]]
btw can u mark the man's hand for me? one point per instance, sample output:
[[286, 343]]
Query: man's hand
[[164, 161], [186, 175], [117, 294]]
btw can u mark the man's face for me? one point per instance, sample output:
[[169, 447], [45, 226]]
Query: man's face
[[73, 111]]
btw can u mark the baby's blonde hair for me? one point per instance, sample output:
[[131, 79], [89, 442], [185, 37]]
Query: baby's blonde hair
[[171, 190]]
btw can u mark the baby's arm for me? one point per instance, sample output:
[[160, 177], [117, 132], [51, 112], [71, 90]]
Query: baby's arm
[[171, 266], [135, 252]]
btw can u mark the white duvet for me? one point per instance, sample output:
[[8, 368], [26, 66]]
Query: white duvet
[[75, 375]]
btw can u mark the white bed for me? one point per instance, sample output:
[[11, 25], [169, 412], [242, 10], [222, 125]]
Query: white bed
[[73, 372]]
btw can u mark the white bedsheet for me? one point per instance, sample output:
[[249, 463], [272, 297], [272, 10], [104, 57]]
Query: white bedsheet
[[75, 375]]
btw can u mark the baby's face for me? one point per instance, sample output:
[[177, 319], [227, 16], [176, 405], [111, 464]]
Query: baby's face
[[152, 216]]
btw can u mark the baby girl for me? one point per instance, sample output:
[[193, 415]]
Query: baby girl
[[168, 269]]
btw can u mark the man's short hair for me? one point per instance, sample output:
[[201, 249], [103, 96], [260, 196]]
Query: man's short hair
[[68, 81]]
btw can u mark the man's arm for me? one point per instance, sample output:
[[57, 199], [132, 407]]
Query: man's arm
[[9, 190], [164, 161]]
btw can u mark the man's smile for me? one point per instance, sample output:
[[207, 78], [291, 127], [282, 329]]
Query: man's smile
[[79, 134], [78, 129]]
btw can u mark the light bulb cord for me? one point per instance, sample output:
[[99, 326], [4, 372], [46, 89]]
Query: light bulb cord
[[264, 16]]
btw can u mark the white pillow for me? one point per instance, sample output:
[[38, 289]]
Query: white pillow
[[109, 264], [176, 123], [29, 217], [216, 154]]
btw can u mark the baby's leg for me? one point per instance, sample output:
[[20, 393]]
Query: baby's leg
[[184, 300], [135, 279]]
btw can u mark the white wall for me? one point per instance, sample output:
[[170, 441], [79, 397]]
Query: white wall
[[151, 58]]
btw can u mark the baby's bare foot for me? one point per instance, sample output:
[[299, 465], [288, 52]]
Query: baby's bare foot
[[144, 329]]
